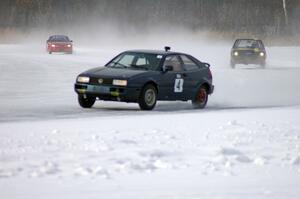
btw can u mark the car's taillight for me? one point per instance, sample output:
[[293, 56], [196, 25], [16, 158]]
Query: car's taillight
[[209, 73]]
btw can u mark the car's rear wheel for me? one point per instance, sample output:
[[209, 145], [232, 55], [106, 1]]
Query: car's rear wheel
[[148, 97], [201, 98], [86, 101]]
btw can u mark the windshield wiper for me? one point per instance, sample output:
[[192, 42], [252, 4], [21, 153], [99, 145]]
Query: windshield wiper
[[119, 64]]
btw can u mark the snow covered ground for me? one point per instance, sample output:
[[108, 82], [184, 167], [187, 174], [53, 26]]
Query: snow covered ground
[[246, 144]]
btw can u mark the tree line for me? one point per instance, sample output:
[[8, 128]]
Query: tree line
[[274, 17]]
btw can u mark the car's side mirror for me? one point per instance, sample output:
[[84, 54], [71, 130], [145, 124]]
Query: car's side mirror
[[71, 40], [168, 68]]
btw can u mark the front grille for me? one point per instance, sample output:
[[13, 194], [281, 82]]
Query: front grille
[[105, 81], [247, 53]]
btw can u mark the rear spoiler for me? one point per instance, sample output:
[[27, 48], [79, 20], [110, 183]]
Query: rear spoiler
[[207, 65]]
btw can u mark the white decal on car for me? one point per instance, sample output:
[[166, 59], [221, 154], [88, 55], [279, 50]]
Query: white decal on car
[[178, 86]]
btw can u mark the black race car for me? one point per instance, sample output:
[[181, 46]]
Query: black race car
[[144, 77], [248, 51]]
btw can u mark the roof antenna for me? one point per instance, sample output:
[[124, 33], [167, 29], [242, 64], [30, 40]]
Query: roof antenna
[[167, 48]]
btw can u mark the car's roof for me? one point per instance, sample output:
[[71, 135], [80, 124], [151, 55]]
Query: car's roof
[[161, 52]]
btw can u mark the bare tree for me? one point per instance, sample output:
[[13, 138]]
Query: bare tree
[[224, 16], [285, 12]]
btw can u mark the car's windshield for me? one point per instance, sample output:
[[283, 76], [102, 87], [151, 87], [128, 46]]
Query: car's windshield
[[136, 60], [246, 43], [59, 39]]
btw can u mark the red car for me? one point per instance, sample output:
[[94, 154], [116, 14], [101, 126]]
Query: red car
[[59, 43]]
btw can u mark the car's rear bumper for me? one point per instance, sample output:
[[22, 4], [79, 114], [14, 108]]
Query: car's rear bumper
[[212, 89], [108, 92]]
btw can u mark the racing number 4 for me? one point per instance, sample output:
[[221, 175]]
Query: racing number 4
[[178, 86]]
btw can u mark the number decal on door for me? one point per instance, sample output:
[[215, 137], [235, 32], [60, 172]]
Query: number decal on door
[[178, 86]]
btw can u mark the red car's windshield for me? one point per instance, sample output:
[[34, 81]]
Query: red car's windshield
[[59, 39]]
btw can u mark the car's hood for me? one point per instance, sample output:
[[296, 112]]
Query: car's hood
[[106, 72]]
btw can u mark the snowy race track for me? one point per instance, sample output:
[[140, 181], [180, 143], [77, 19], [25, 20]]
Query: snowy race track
[[35, 85], [246, 144]]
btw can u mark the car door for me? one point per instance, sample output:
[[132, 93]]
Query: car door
[[172, 82]]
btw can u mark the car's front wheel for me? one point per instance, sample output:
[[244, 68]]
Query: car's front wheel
[[201, 98], [86, 101], [148, 97], [263, 64], [232, 64]]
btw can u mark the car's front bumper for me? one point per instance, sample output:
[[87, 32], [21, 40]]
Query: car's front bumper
[[108, 92], [252, 59], [60, 49]]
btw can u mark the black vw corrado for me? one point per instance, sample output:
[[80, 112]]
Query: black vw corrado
[[145, 76]]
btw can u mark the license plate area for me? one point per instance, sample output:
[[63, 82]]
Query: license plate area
[[98, 89]]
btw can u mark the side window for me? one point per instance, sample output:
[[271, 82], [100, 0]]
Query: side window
[[188, 63], [173, 60], [261, 45]]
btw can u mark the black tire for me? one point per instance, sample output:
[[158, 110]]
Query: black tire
[[50, 52], [148, 97], [201, 98], [232, 64], [86, 101], [263, 65]]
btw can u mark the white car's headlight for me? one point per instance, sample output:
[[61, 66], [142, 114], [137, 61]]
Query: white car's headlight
[[69, 45], [236, 53], [118, 82], [53, 45], [262, 54], [82, 79]]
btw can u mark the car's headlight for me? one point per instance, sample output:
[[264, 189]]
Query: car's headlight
[[52, 45], [236, 53], [118, 82], [82, 79], [262, 54], [69, 45]]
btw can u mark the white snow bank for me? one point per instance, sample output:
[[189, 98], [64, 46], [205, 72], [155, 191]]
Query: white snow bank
[[206, 154]]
